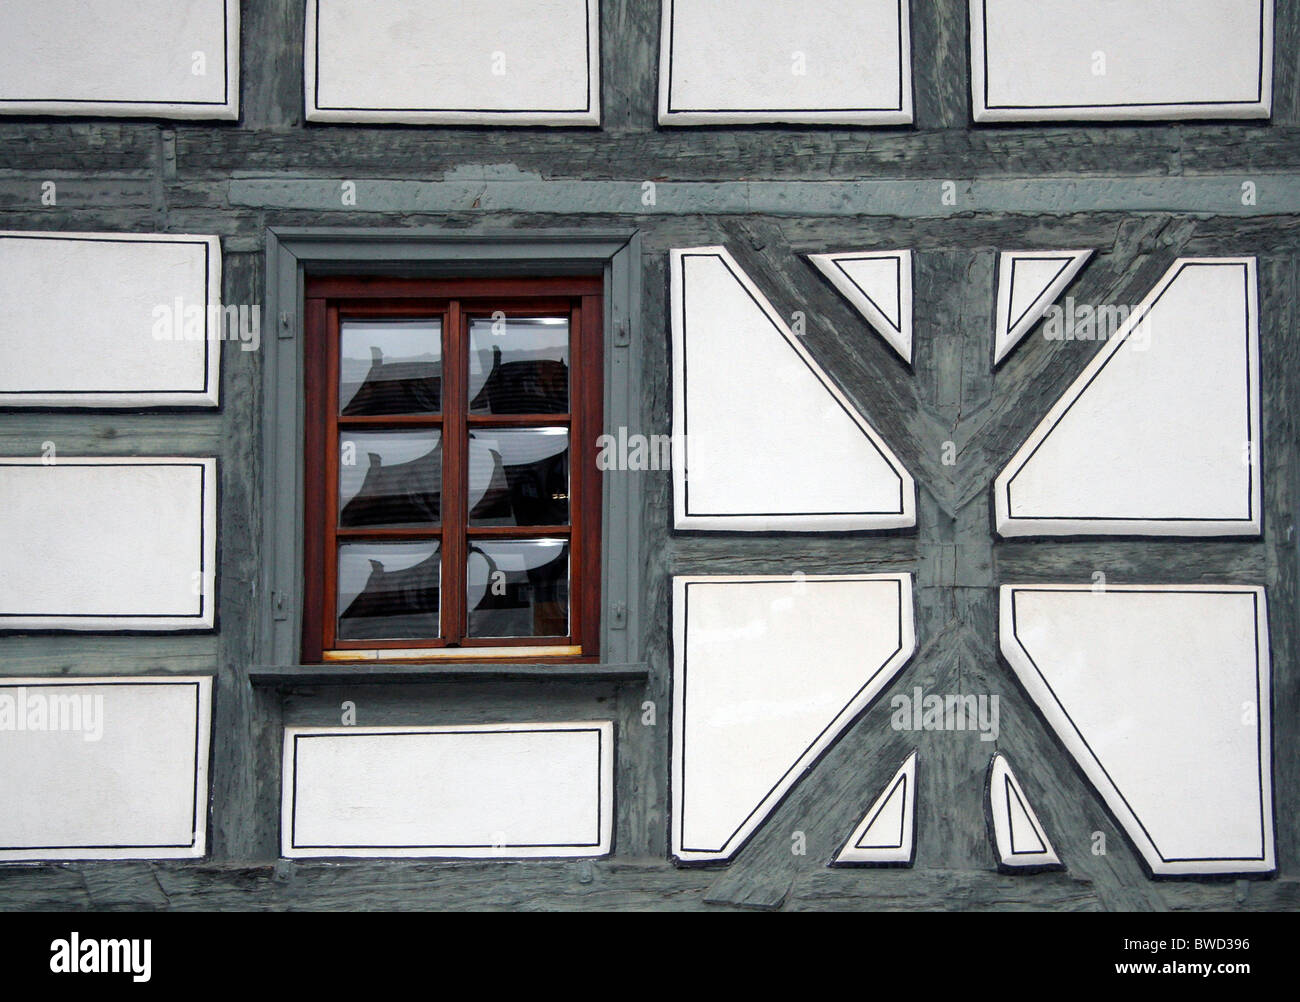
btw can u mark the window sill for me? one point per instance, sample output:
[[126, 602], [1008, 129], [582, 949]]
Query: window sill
[[372, 671], [397, 655]]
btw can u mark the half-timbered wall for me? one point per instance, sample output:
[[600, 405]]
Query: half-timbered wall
[[948, 545]]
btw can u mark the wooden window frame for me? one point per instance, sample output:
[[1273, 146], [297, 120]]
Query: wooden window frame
[[329, 300]]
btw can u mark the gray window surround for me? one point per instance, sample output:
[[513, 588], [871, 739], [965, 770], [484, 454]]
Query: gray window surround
[[293, 253]]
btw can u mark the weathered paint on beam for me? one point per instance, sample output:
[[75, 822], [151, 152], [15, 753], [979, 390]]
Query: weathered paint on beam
[[506, 189]]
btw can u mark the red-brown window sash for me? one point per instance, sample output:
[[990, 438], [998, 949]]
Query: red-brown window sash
[[331, 300]]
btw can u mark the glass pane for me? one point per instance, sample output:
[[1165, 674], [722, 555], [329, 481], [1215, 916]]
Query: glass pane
[[519, 366], [388, 591], [390, 367], [390, 478], [519, 477], [519, 588]]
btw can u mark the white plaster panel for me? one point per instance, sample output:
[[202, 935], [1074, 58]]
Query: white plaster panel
[[1018, 836], [1029, 282], [1040, 60], [879, 285], [108, 544], [1160, 433], [763, 439], [497, 790], [736, 61], [109, 320], [154, 58], [104, 768], [1162, 695], [767, 673], [432, 62], [886, 835]]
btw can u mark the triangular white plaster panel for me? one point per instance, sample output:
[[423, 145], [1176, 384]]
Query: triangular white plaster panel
[[444, 62], [1062, 60], [1160, 434], [1028, 283], [767, 673], [1018, 837], [763, 440], [1162, 695], [735, 61], [886, 835], [879, 285], [142, 58]]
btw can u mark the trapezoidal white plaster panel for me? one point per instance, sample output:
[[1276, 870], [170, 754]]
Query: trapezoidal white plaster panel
[[879, 285], [104, 768], [1162, 694], [736, 61], [1029, 282], [1160, 434], [886, 835], [110, 320], [485, 790], [108, 544], [1021, 844], [1061, 60], [763, 439], [444, 62], [141, 58], [767, 673]]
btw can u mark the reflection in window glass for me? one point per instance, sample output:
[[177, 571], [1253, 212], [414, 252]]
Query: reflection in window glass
[[390, 367], [519, 588], [390, 479], [388, 591], [519, 477], [519, 366]]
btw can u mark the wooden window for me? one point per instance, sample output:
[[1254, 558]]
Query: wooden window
[[453, 503]]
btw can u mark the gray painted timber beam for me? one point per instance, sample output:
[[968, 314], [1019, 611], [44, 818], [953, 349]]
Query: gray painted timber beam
[[506, 189]]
